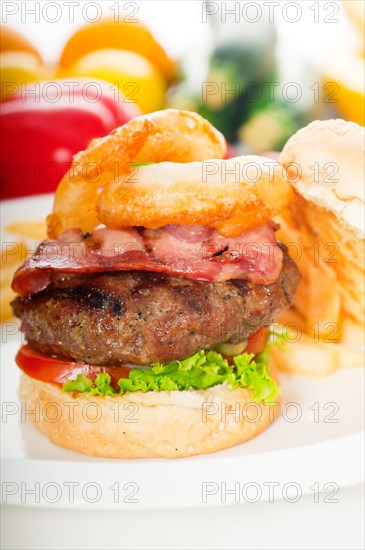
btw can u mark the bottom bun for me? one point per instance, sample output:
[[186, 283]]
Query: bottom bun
[[168, 424]]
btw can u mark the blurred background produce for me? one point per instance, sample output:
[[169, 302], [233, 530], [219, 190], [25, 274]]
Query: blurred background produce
[[124, 35], [240, 93], [257, 74], [346, 67], [107, 73], [45, 130]]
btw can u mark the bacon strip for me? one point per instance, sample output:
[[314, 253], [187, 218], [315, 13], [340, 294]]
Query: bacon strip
[[193, 252]]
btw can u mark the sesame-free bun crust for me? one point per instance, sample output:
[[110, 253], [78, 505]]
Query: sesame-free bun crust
[[331, 159], [167, 424]]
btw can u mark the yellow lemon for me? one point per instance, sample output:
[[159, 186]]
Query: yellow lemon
[[17, 68], [345, 86], [10, 40], [139, 81], [109, 34]]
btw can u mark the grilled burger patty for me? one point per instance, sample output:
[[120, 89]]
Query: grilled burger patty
[[141, 317]]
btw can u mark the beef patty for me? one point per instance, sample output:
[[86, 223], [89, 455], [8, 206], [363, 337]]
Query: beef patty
[[141, 317]]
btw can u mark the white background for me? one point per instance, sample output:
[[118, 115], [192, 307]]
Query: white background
[[321, 27], [280, 525]]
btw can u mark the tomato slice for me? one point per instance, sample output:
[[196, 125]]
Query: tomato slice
[[256, 342], [56, 371]]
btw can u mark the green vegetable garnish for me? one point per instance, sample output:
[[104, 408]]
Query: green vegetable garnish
[[202, 370], [142, 163]]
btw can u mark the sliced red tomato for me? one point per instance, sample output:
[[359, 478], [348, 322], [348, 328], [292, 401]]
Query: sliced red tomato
[[256, 342], [56, 371]]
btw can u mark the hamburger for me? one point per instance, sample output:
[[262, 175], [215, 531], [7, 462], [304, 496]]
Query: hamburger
[[150, 297]]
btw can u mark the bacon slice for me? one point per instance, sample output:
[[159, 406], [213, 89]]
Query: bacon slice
[[193, 252], [254, 255]]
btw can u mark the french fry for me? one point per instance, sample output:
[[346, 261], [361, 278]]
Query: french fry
[[291, 316], [292, 238], [301, 302], [7, 272], [352, 331], [315, 358], [329, 302], [7, 296], [323, 303], [13, 254], [31, 229]]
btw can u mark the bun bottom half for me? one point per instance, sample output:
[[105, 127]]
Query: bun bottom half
[[170, 424]]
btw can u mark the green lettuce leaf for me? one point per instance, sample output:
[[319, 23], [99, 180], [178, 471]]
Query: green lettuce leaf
[[202, 370], [142, 163], [81, 384]]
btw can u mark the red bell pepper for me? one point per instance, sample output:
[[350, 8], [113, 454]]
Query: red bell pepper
[[47, 123]]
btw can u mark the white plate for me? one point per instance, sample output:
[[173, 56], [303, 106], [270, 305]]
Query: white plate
[[316, 445]]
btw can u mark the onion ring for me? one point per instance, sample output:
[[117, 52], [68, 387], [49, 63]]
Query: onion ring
[[169, 135], [232, 195]]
